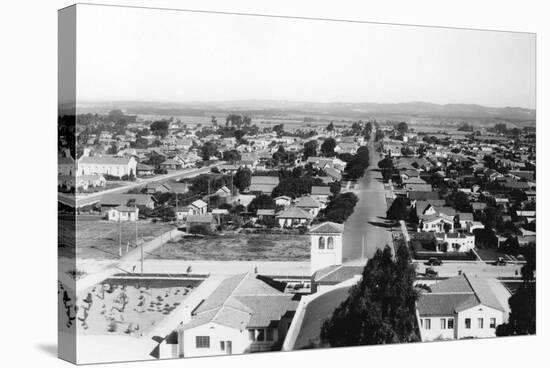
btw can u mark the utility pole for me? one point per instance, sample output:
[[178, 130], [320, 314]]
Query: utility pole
[[119, 237]]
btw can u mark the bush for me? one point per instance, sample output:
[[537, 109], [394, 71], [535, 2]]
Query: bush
[[200, 229]]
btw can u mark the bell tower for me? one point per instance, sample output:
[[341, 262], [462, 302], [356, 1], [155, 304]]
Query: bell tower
[[326, 245]]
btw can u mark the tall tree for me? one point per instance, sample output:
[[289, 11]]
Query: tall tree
[[380, 309], [310, 149], [328, 146], [242, 179], [523, 303], [398, 209], [208, 150]]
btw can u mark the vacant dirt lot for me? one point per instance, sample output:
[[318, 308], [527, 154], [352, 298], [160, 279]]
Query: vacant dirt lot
[[99, 239], [238, 247]]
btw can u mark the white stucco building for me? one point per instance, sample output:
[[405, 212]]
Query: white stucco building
[[460, 307], [326, 245], [107, 165], [246, 313]]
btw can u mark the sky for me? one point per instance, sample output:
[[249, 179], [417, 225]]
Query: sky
[[177, 56]]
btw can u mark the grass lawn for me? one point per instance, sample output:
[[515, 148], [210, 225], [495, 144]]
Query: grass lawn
[[238, 247], [99, 239]]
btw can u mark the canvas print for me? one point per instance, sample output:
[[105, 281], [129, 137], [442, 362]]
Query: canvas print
[[235, 184]]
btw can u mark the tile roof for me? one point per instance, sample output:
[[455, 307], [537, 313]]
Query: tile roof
[[308, 202], [243, 301], [327, 228], [337, 274], [294, 212], [456, 294]]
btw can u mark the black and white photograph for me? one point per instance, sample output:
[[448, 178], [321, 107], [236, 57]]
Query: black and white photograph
[[274, 184], [291, 184]]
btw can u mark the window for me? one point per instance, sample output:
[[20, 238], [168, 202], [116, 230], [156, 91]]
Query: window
[[480, 323], [493, 323], [330, 243], [252, 335], [261, 335], [321, 243], [222, 345], [443, 322], [269, 334], [467, 322], [202, 342], [450, 324], [427, 324]]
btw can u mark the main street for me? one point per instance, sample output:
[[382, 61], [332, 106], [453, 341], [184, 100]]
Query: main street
[[367, 224]]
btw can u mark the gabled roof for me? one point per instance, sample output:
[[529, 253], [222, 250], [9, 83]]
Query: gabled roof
[[294, 213], [243, 301], [456, 294], [199, 203], [327, 228], [308, 202]]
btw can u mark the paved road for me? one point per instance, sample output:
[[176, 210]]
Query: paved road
[[367, 220], [90, 198]]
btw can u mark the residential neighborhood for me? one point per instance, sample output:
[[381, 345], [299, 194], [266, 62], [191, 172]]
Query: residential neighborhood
[[461, 208], [233, 184]]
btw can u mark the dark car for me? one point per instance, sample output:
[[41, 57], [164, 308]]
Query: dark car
[[430, 272], [434, 261]]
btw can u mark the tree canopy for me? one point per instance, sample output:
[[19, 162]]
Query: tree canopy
[[159, 128], [328, 146], [523, 303], [380, 309]]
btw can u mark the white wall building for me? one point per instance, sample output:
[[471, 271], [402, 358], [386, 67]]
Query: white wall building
[[459, 307], [107, 165], [326, 245]]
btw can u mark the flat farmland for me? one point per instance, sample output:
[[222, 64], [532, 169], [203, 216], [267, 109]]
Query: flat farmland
[[99, 239], [238, 247]]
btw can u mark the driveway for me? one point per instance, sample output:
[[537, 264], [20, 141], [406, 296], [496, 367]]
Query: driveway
[[368, 219]]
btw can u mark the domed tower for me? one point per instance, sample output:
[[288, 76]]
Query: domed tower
[[326, 245]]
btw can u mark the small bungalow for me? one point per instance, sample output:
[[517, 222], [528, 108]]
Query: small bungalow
[[293, 217], [123, 213]]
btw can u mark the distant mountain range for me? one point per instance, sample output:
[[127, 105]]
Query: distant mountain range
[[344, 109]]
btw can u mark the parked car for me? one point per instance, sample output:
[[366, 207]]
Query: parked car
[[430, 272], [434, 261]]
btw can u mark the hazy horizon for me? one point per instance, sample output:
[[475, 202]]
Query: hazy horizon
[[129, 54]]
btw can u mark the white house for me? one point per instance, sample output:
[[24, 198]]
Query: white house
[[455, 241], [293, 217], [123, 213], [310, 205], [245, 313], [326, 245], [460, 307], [107, 165], [199, 207]]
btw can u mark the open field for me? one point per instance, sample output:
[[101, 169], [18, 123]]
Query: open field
[[123, 307], [99, 239], [238, 247]]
